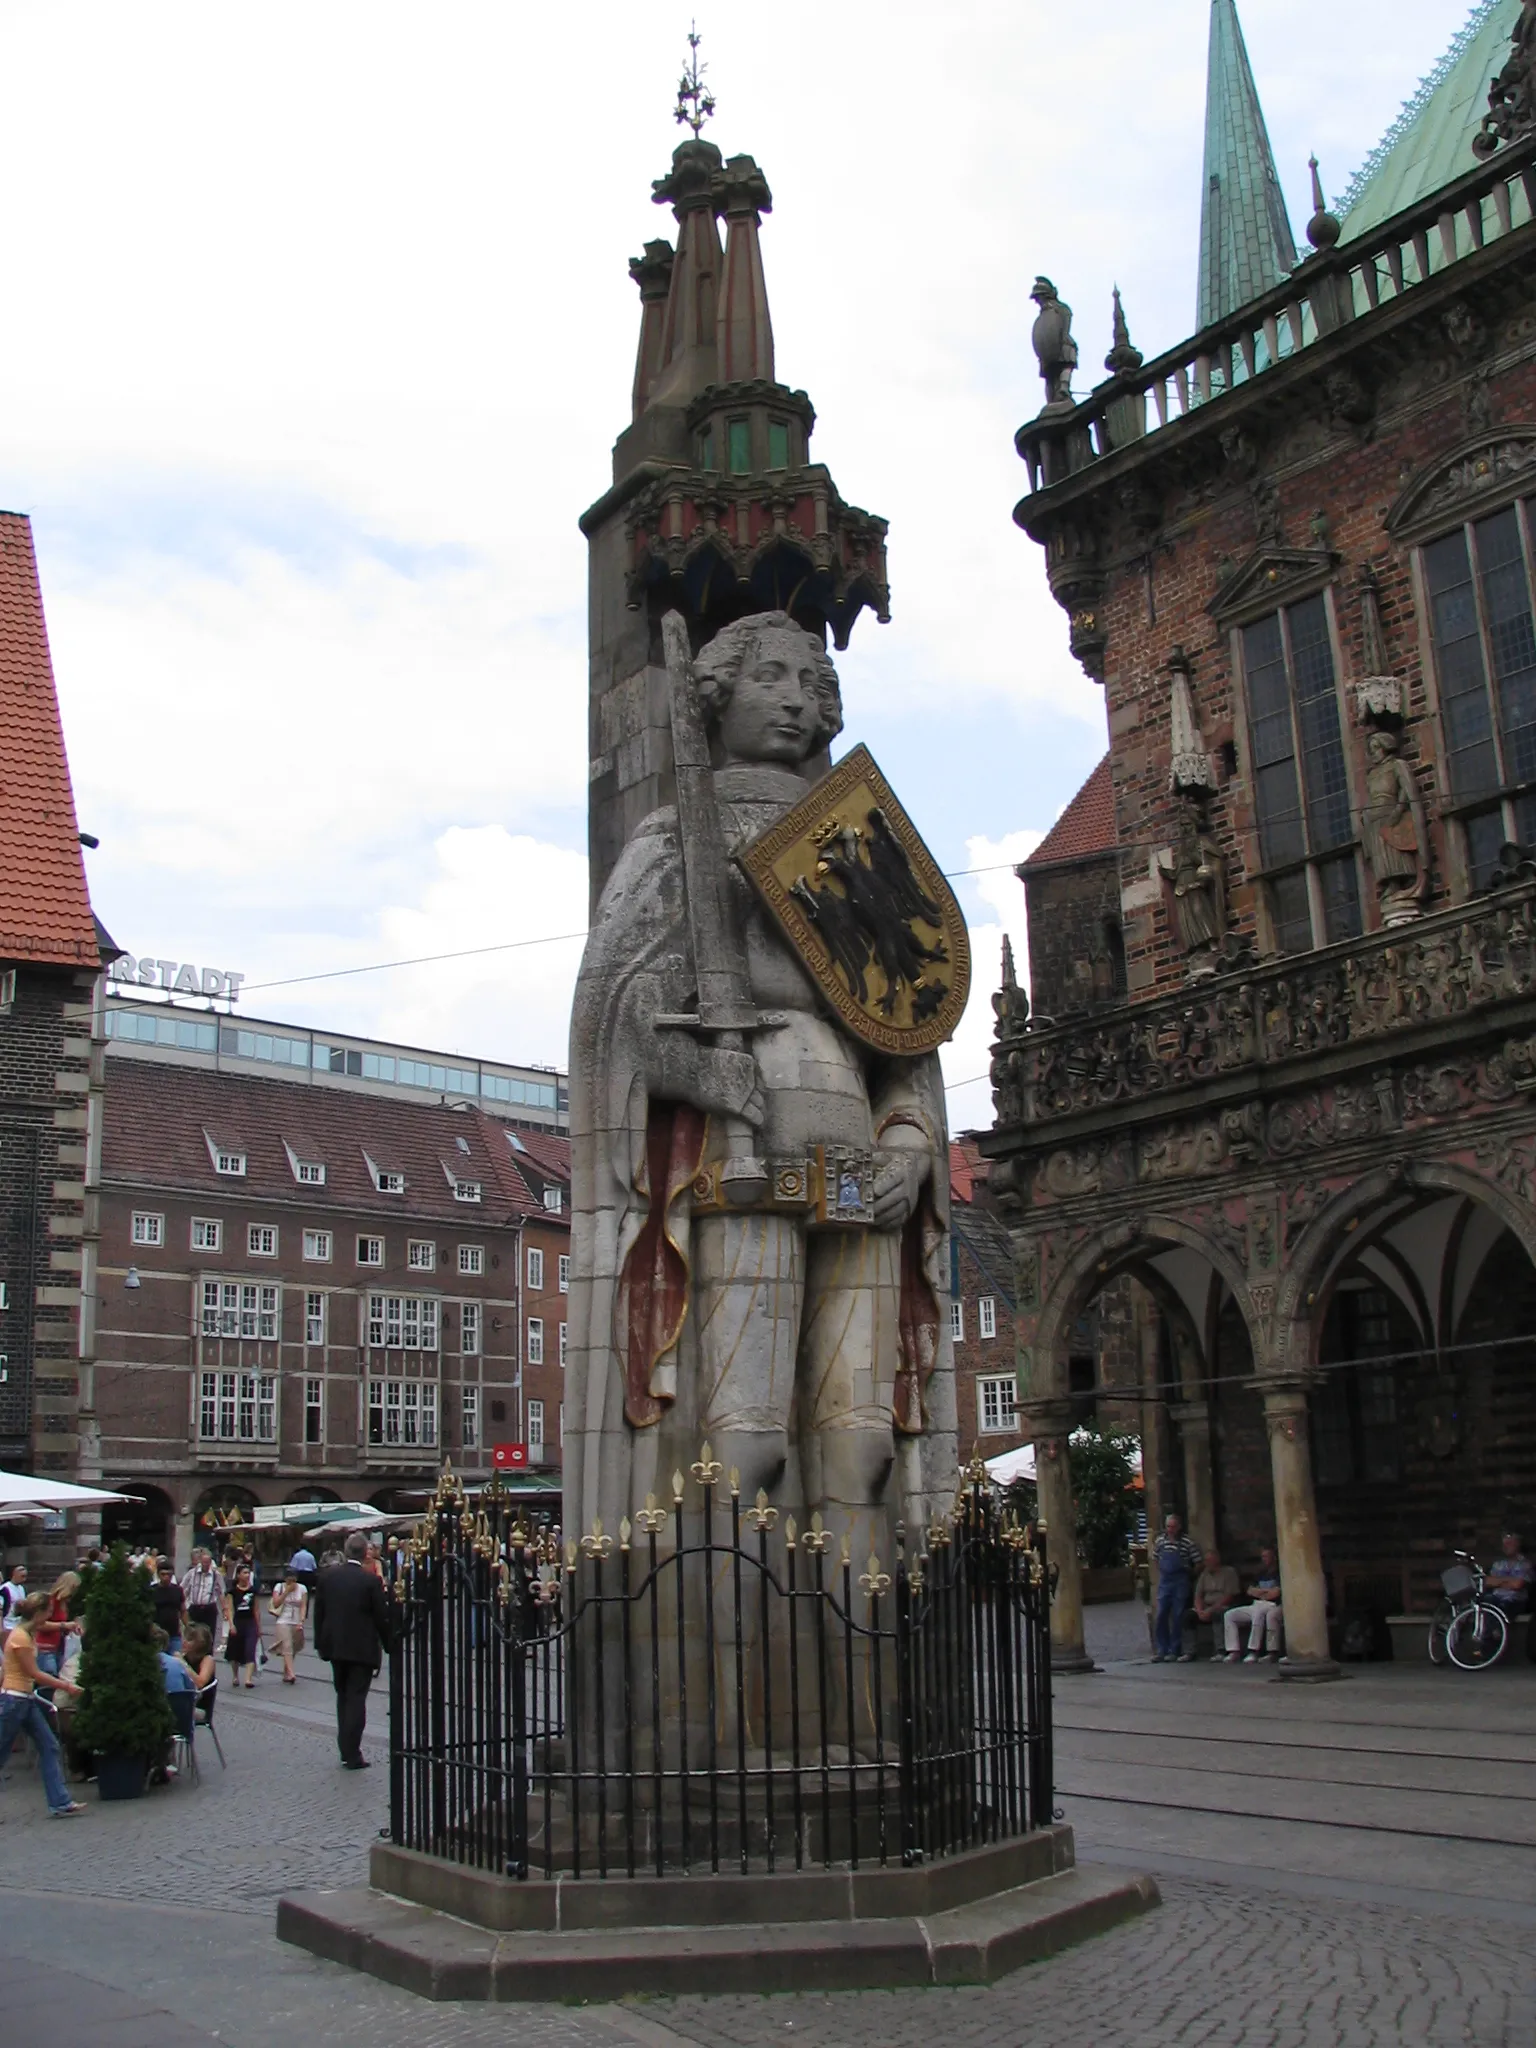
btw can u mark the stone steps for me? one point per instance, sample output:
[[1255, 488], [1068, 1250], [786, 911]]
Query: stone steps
[[439, 1957]]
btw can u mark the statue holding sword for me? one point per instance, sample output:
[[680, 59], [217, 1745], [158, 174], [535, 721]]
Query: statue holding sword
[[760, 1193]]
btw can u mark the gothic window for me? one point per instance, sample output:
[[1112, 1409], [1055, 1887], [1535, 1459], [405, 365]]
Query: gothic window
[[1301, 786], [1478, 582], [778, 444], [738, 446]]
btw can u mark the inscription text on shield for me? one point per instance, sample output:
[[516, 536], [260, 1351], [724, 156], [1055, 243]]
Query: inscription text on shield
[[862, 901]]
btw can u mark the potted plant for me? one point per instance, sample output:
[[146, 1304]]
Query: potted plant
[[123, 1718]]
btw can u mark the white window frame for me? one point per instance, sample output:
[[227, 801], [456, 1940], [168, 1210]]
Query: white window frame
[[563, 1269], [314, 1404], [402, 1414], [237, 1407], [997, 1404], [212, 1238], [554, 1200], [535, 1270], [986, 1316], [309, 1173], [314, 1316], [534, 1353], [469, 1418], [374, 1256], [466, 1191], [261, 1240], [562, 1347], [471, 1328], [472, 1258], [404, 1322], [535, 1430], [957, 1319], [420, 1255], [231, 1164], [147, 1228], [317, 1247]]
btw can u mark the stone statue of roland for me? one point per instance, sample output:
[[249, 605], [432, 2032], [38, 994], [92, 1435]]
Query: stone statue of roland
[[815, 1358]]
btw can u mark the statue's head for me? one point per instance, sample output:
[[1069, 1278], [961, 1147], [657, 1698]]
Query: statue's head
[[1380, 743], [1042, 291], [769, 689]]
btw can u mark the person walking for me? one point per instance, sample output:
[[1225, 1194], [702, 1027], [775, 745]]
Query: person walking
[[22, 1708], [169, 1603], [54, 1625], [202, 1588], [1175, 1559], [290, 1604], [242, 1622], [13, 1590], [303, 1562], [352, 1634]]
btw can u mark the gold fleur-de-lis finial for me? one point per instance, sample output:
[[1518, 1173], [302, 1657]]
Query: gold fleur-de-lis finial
[[706, 1468], [695, 101], [761, 1517], [651, 1519], [874, 1582]]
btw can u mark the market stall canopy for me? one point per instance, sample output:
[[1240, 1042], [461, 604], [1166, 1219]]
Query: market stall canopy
[[313, 1513], [51, 1494], [1020, 1464]]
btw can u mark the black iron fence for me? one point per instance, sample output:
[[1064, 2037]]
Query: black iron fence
[[714, 1688]]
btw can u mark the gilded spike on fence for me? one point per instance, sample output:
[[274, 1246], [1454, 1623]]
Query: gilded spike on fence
[[735, 1482], [789, 1532], [677, 1489], [624, 1533]]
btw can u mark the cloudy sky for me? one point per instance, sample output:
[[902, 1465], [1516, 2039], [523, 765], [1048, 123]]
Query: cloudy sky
[[317, 333]]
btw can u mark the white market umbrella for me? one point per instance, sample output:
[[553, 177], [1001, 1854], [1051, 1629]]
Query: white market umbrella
[[1020, 1464], [51, 1494]]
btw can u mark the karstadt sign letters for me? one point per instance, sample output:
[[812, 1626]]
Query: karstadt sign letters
[[178, 977]]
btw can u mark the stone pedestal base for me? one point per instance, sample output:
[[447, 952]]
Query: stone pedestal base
[[1070, 1663], [446, 1932]]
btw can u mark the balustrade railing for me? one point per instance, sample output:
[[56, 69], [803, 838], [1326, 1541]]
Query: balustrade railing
[[1322, 295], [1361, 993]]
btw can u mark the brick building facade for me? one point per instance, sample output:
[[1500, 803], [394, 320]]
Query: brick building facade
[[50, 1065], [1297, 551], [305, 1294]]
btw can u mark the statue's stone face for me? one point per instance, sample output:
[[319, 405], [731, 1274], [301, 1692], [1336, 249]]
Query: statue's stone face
[[774, 712]]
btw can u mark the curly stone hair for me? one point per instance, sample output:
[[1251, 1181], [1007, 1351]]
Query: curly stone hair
[[721, 663]]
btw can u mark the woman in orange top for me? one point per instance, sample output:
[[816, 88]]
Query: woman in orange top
[[22, 1708]]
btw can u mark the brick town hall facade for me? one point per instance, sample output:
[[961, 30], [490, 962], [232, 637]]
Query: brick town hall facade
[[1280, 1084]]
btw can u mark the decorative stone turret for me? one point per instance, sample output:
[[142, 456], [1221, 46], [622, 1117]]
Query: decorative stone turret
[[717, 508]]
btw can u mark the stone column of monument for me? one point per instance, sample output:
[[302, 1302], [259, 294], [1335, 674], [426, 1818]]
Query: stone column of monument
[[716, 508], [1303, 1588]]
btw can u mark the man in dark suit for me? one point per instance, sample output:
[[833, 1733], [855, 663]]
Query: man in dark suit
[[352, 1633]]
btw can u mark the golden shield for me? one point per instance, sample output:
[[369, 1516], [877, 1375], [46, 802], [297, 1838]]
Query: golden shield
[[862, 901]]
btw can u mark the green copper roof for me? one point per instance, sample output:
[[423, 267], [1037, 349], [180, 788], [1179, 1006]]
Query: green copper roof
[[1246, 245], [1430, 142]]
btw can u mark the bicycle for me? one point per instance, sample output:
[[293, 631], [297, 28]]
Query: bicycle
[[1467, 1629]]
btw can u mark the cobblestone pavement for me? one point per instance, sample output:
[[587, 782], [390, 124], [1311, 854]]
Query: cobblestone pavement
[[1232, 1968], [161, 1909]]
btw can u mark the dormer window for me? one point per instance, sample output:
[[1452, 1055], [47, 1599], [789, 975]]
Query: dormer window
[[309, 1173], [466, 1191], [738, 446], [387, 1179], [554, 1200], [778, 444], [228, 1157]]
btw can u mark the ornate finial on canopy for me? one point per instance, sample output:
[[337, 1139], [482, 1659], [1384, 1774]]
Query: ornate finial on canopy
[[695, 102]]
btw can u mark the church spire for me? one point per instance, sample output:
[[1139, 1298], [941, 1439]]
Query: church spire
[[1246, 244]]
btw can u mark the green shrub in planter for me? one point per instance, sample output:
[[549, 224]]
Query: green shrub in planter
[[1104, 1493], [123, 1712]]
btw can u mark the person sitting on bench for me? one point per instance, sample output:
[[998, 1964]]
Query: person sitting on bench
[[1509, 1578], [1261, 1616], [1216, 1590]]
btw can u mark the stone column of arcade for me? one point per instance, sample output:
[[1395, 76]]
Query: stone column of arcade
[[1303, 1592], [1049, 1424]]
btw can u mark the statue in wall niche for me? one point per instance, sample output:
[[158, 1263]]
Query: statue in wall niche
[[1393, 829], [1197, 872], [760, 1152]]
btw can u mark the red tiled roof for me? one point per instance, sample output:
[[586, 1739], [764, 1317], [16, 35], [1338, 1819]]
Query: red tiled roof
[[45, 912], [157, 1117], [1086, 826]]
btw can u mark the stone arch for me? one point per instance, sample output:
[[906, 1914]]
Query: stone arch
[[1103, 1255], [1319, 1244]]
